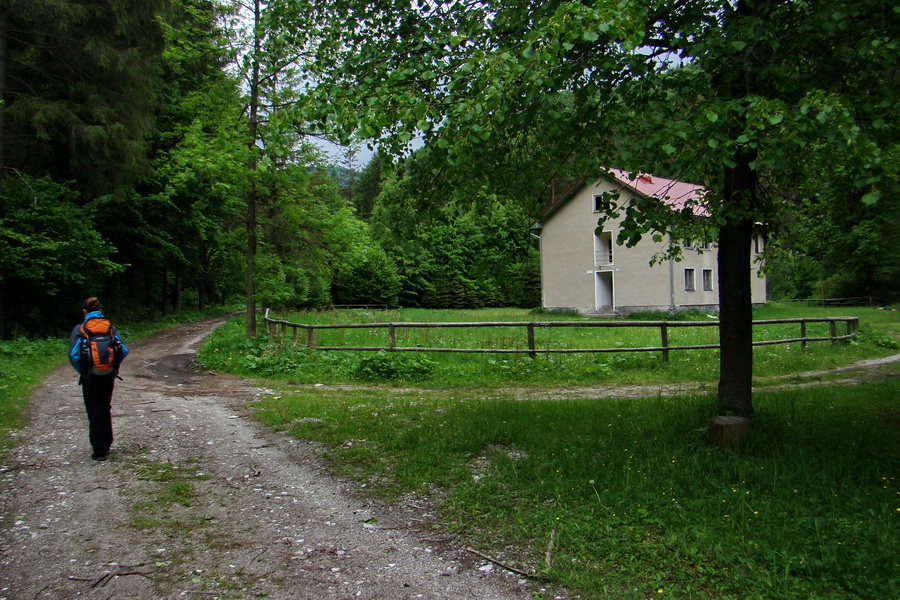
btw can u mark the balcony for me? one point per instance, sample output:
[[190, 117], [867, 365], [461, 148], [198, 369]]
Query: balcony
[[603, 258]]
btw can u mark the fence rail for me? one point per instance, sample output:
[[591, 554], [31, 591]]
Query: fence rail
[[854, 301], [275, 326]]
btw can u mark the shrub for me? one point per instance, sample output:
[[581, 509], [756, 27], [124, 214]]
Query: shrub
[[371, 279], [663, 315], [388, 366]]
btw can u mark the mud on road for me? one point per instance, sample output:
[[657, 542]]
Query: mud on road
[[199, 501]]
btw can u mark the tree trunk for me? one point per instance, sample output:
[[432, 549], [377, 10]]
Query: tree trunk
[[164, 295], [4, 22], [729, 432], [176, 294], [202, 274], [735, 303], [252, 192]]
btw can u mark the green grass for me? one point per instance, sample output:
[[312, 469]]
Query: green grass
[[284, 359], [638, 501], [171, 488], [641, 504], [23, 364]]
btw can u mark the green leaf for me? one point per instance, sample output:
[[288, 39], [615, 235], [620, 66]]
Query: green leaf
[[871, 198], [590, 36], [712, 143], [668, 149], [738, 45], [528, 52], [775, 119], [713, 117]]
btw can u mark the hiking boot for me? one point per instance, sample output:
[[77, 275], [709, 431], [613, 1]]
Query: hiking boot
[[100, 455]]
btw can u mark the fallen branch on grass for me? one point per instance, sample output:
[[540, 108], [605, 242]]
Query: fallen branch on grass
[[503, 565]]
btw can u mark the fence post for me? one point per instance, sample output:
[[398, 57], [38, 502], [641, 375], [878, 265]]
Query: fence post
[[803, 336], [311, 337], [531, 349], [296, 333], [392, 336], [833, 327], [664, 334]]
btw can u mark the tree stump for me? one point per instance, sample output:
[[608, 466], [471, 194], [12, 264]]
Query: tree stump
[[729, 432]]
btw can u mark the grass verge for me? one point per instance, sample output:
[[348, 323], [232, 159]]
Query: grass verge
[[638, 503], [23, 364]]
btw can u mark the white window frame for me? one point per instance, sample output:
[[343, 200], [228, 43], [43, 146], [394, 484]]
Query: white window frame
[[690, 280], [707, 280]]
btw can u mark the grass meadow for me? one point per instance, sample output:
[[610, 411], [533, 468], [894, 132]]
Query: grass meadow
[[606, 497], [288, 360], [637, 501]]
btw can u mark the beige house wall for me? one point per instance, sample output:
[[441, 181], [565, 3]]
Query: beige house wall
[[569, 269]]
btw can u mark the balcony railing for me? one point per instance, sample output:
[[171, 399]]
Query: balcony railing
[[602, 257]]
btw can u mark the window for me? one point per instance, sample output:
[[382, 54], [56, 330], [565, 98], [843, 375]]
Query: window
[[598, 203], [707, 280], [689, 280], [757, 244]]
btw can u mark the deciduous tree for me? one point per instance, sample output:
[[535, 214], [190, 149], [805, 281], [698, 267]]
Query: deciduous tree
[[727, 94]]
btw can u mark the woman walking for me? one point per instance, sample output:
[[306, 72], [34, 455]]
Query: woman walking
[[96, 351]]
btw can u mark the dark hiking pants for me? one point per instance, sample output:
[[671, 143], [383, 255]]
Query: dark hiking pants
[[97, 393]]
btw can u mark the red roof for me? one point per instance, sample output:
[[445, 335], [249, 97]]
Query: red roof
[[676, 194]]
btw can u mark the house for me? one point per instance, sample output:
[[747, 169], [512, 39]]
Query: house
[[583, 269]]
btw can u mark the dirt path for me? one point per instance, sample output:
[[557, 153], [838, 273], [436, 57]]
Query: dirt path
[[198, 501]]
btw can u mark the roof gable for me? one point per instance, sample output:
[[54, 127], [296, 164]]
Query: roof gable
[[676, 194]]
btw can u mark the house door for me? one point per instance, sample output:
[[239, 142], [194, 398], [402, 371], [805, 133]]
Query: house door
[[604, 291]]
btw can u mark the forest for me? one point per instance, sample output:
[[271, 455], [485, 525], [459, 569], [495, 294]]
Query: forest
[[169, 153]]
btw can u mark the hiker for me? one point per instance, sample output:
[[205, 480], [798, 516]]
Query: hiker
[[96, 351]]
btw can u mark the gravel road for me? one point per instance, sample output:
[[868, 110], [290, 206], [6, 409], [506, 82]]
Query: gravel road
[[199, 501]]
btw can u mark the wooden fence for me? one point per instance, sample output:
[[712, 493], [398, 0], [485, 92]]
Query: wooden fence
[[277, 326]]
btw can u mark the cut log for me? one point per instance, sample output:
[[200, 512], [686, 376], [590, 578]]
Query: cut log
[[729, 432]]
